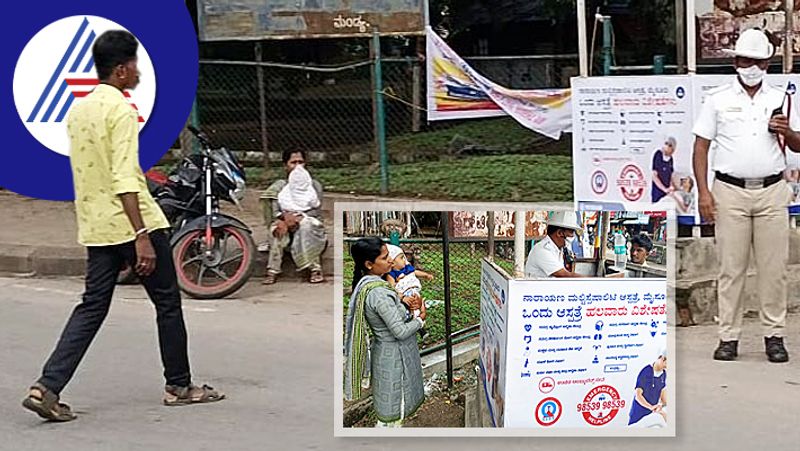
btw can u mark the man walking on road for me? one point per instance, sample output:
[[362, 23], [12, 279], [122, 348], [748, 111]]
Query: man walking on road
[[118, 222], [748, 202]]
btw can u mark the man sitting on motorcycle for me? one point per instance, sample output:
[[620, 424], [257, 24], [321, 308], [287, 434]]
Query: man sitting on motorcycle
[[293, 209]]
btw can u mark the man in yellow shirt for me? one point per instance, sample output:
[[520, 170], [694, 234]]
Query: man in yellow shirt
[[118, 222]]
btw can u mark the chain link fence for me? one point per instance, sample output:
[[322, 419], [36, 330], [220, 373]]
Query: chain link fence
[[465, 280], [262, 109], [329, 112], [527, 72], [424, 248]]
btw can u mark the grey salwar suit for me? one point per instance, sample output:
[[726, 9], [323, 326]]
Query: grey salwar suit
[[395, 362]]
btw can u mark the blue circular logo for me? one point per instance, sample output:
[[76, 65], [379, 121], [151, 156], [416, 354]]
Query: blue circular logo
[[47, 50], [599, 182], [548, 411], [680, 92]]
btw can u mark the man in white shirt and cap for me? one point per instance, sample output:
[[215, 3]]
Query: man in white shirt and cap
[[749, 199], [546, 258]]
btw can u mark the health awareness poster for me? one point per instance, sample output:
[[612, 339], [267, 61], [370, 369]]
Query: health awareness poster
[[494, 317], [577, 352], [632, 143]]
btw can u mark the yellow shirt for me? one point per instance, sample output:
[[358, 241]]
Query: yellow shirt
[[104, 138]]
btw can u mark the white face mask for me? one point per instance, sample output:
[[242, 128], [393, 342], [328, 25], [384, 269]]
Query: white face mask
[[569, 240], [751, 76]]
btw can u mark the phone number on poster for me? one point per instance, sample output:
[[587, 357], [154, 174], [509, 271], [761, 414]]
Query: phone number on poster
[[591, 406]]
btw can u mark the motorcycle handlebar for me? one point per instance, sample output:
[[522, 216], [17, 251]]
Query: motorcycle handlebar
[[200, 135]]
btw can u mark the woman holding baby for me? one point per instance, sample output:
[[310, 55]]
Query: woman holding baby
[[397, 389]]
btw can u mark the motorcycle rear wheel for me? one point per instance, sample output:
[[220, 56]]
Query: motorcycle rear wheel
[[232, 269]]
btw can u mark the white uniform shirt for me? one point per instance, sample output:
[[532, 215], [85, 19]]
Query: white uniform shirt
[[739, 126], [544, 259]]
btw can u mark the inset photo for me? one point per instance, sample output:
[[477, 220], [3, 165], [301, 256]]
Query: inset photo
[[501, 322]]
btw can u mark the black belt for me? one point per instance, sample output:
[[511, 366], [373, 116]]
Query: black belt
[[755, 183]]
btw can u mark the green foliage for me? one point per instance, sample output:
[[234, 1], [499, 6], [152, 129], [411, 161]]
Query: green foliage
[[488, 135], [531, 168], [465, 285], [533, 178]]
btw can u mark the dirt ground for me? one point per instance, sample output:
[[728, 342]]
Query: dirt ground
[[28, 221], [441, 408]]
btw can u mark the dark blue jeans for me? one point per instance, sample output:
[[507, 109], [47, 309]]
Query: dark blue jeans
[[103, 267]]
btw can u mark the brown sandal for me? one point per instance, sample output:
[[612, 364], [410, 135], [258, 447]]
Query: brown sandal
[[269, 279], [46, 405], [316, 277], [182, 396]]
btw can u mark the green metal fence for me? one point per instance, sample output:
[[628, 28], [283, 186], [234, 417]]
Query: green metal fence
[[336, 113]]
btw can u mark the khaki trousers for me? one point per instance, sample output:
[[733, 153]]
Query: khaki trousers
[[760, 218]]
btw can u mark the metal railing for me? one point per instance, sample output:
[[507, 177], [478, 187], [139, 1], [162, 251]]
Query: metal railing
[[261, 109]]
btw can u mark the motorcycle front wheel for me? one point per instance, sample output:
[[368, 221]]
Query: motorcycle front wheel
[[219, 270]]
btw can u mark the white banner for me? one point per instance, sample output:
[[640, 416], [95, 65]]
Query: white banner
[[456, 91], [579, 348]]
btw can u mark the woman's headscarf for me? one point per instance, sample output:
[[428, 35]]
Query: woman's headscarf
[[299, 194]]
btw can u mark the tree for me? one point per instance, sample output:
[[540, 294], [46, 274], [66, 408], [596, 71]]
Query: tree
[[642, 28], [454, 15]]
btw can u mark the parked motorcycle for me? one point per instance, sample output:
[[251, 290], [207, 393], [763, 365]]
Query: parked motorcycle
[[213, 252]]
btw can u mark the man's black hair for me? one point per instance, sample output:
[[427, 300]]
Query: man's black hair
[[111, 49], [287, 154], [642, 240], [551, 229]]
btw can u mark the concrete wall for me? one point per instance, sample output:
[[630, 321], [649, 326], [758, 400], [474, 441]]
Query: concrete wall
[[696, 275]]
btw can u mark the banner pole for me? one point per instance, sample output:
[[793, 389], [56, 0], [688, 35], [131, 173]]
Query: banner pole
[[788, 41], [380, 115], [490, 231], [691, 37], [583, 55], [519, 244], [680, 35], [448, 329]]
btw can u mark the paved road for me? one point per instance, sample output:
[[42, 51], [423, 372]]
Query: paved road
[[271, 351]]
